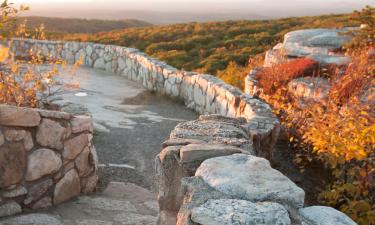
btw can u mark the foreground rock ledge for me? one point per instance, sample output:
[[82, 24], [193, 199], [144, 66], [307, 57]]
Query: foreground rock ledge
[[250, 178]]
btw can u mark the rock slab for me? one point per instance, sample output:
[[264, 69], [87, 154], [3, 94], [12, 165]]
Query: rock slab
[[250, 178]]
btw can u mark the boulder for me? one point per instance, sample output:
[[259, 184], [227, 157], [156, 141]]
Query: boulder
[[17, 116], [9, 209], [36, 191], [233, 212], [314, 41], [250, 178], [50, 134], [68, 187], [323, 215], [42, 162]]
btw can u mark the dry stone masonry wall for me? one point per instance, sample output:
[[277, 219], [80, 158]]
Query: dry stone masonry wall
[[46, 158], [209, 175], [204, 93]]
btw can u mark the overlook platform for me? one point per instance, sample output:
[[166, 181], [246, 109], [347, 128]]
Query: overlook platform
[[130, 122]]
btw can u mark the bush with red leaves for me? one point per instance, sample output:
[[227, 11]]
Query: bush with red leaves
[[272, 78]]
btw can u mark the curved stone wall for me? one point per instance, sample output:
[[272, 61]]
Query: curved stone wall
[[46, 158], [204, 93]]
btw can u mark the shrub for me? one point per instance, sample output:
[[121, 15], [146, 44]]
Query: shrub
[[272, 78], [234, 75], [339, 132]]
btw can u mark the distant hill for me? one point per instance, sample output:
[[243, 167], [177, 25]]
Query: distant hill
[[71, 25]]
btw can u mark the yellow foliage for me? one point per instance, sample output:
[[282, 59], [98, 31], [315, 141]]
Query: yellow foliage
[[4, 53]]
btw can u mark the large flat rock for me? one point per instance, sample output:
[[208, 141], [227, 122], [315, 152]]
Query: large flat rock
[[250, 178], [314, 41], [233, 212]]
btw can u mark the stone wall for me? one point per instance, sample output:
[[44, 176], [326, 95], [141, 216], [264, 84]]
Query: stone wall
[[209, 174], [204, 93], [46, 158]]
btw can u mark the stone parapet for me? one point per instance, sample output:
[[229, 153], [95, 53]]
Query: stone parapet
[[46, 158], [209, 173], [203, 93]]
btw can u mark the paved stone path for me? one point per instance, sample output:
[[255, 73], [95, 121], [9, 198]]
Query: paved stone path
[[130, 125]]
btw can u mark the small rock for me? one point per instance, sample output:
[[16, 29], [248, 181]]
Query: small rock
[[54, 114], [2, 139], [17, 116], [322, 215], [82, 162], [28, 141], [50, 134], [195, 152], [81, 123], [9, 209], [37, 190], [43, 203], [88, 184], [14, 135], [32, 219], [15, 193], [74, 146], [68, 187], [181, 141], [42, 162], [233, 212]]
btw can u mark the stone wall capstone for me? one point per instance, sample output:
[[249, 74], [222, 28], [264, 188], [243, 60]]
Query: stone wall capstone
[[34, 173]]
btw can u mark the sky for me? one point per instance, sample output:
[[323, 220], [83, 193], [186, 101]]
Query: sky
[[117, 9]]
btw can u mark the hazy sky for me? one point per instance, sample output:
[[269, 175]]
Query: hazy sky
[[265, 8]]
